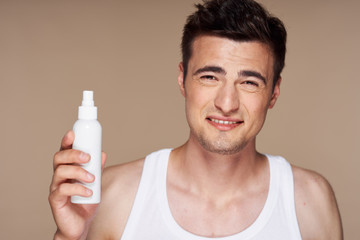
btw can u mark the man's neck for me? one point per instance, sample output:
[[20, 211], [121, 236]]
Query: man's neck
[[211, 174]]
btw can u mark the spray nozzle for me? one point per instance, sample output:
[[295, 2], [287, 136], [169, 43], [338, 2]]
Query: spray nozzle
[[88, 98], [87, 110]]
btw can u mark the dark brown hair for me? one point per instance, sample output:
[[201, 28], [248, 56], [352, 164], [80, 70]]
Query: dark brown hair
[[239, 20]]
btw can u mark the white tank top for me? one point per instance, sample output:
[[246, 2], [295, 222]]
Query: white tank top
[[151, 218]]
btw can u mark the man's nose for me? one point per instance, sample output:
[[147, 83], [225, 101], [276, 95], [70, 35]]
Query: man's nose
[[227, 99]]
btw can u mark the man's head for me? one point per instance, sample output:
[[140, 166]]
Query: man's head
[[239, 20]]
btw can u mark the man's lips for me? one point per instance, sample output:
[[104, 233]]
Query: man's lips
[[224, 124], [224, 121]]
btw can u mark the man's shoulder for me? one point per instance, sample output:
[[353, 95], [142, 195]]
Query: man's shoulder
[[310, 183], [316, 206], [125, 175]]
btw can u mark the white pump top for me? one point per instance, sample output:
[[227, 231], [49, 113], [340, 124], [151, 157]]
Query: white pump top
[[87, 110], [88, 98]]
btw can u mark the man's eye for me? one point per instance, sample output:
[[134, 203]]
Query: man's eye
[[208, 77], [251, 83], [251, 86]]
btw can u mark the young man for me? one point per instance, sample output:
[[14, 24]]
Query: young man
[[216, 185]]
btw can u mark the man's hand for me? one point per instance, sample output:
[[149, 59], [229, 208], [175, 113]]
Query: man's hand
[[72, 220]]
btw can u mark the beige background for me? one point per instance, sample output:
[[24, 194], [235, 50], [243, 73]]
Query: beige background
[[128, 52]]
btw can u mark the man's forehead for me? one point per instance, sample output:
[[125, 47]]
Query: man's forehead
[[213, 50], [222, 42]]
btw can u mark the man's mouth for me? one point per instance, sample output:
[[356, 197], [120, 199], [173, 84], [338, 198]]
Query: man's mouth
[[225, 122]]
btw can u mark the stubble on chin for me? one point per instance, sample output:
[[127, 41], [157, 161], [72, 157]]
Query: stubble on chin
[[222, 145]]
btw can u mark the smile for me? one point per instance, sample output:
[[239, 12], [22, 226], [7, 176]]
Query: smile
[[222, 121], [224, 125]]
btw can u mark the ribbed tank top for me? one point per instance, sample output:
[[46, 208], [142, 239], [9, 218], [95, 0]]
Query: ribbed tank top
[[151, 218]]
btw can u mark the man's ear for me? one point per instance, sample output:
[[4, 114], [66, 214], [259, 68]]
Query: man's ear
[[181, 79], [275, 94]]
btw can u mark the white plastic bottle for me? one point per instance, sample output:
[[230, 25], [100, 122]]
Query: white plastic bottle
[[87, 131]]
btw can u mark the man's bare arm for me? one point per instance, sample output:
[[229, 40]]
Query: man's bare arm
[[317, 211]]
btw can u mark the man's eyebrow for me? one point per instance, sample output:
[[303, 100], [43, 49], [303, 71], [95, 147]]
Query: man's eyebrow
[[249, 73], [215, 69]]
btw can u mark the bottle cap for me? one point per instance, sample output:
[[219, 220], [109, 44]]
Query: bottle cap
[[87, 110]]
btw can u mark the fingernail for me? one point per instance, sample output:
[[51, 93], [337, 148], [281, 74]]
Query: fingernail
[[88, 192], [90, 176], [84, 156]]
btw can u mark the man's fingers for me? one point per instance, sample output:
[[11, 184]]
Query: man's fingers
[[67, 141], [70, 156], [66, 190], [70, 172]]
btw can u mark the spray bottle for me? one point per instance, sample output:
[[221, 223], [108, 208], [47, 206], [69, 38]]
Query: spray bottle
[[87, 131]]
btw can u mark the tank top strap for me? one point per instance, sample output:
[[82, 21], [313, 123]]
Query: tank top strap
[[286, 193]]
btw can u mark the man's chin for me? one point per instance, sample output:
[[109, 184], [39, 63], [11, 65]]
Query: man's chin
[[222, 148]]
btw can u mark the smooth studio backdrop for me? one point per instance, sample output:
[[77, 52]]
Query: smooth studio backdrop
[[128, 53]]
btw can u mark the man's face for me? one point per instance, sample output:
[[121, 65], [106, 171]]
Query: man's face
[[228, 90]]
